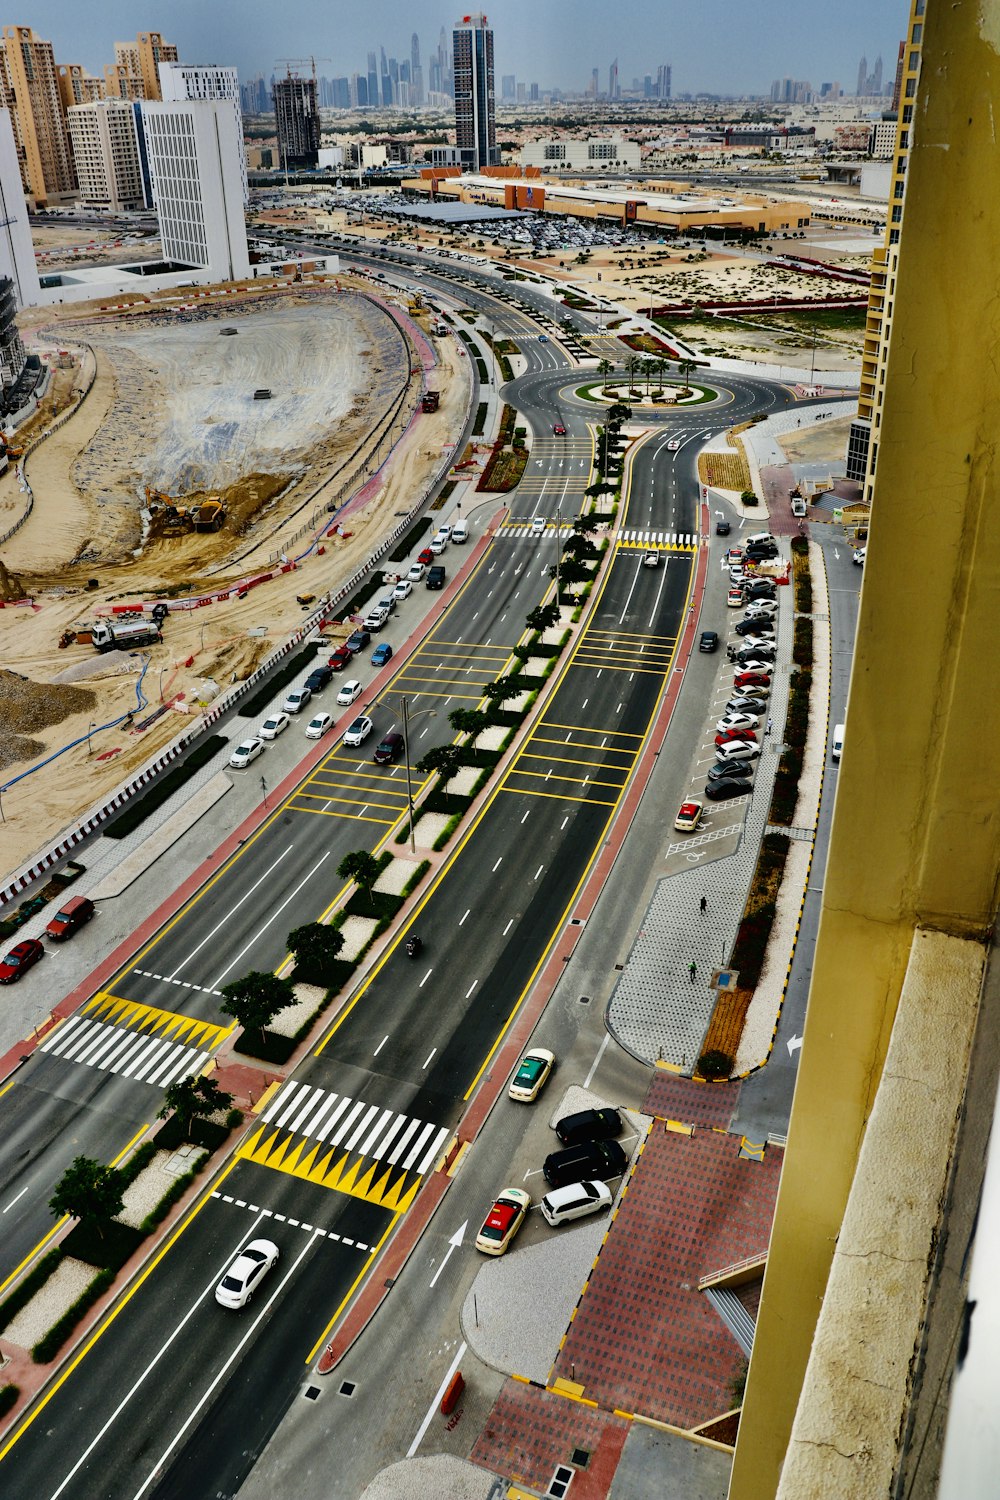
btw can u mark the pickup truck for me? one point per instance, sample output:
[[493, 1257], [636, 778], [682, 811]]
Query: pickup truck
[[798, 506]]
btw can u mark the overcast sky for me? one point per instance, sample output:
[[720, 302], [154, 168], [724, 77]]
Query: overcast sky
[[713, 46]]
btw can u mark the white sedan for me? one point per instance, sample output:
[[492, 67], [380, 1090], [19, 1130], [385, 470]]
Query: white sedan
[[349, 692], [403, 589], [246, 1273], [273, 726], [244, 753], [359, 731], [317, 727], [738, 721]]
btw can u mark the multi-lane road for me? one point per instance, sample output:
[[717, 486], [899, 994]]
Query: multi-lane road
[[172, 1394]]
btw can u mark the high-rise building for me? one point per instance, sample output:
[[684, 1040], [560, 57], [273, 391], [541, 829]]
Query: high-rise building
[[475, 102], [663, 81], [193, 150], [387, 94], [297, 112], [897, 82], [206, 81], [17, 255], [508, 87], [106, 154], [372, 99], [77, 86], [862, 76], [135, 73], [29, 88], [595, 84], [614, 91], [416, 73]]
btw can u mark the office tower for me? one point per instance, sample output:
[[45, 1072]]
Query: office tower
[[297, 113], [29, 88], [447, 81], [508, 86], [862, 76], [359, 90], [77, 86], [876, 83], [341, 90], [206, 81], [193, 150], [17, 255], [475, 103], [613, 90], [386, 82], [372, 99], [106, 155], [595, 86], [663, 81], [417, 97], [522, 93], [647, 86]]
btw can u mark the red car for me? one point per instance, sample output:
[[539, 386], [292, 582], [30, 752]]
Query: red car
[[426, 557], [20, 958], [752, 679], [559, 430], [725, 736], [340, 658]]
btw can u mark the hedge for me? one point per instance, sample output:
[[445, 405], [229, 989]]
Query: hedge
[[293, 664], [8, 1398], [138, 811], [479, 425], [382, 905], [755, 928], [48, 1347], [26, 1289], [269, 1048], [446, 832], [410, 539], [802, 648], [207, 1133]]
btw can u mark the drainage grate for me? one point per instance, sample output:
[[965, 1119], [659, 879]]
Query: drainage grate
[[347, 1388], [559, 1482], [584, 999], [311, 1393], [581, 1457]]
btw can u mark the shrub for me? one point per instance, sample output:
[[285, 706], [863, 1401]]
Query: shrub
[[749, 498], [234, 1117], [715, 1065], [269, 1048], [48, 1347], [8, 1398], [446, 832], [107, 1246], [26, 1289], [802, 649], [416, 878]]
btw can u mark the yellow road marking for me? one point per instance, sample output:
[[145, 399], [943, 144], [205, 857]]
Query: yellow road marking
[[360, 799], [392, 1188], [527, 791], [331, 812], [350, 1291], [609, 666], [574, 778], [574, 760], [622, 734], [149, 1018]]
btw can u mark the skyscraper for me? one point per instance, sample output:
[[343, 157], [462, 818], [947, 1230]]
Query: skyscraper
[[613, 90], [186, 81], [297, 111], [663, 81], [475, 102], [862, 76], [192, 147], [29, 88], [372, 99], [416, 73]]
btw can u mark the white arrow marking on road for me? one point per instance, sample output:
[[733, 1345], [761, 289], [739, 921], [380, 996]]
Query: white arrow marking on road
[[453, 1244], [794, 1043]]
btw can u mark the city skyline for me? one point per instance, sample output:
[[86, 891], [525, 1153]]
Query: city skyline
[[748, 48]]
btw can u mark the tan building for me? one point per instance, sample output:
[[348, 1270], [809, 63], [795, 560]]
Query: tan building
[[30, 85], [135, 73], [76, 86], [106, 154]]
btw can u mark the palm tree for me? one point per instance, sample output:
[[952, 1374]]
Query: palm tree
[[631, 365], [686, 368], [604, 369]]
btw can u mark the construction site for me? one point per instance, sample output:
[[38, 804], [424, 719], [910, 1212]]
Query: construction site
[[250, 449]]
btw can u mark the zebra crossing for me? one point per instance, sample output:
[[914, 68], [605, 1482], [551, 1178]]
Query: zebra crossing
[[657, 539], [344, 1143], [156, 1060]]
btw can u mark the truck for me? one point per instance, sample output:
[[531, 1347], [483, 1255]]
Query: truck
[[429, 401], [124, 635], [798, 506]]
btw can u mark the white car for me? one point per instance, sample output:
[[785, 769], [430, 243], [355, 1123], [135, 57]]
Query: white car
[[737, 750], [358, 732], [437, 545], [757, 643], [246, 1273], [349, 692], [273, 726], [317, 727], [244, 753], [296, 700], [575, 1201], [859, 555], [761, 609], [673, 445], [403, 589], [416, 572], [538, 524], [737, 721], [444, 531], [651, 560]]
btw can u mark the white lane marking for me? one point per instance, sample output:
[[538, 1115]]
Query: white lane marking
[[381, 1044], [593, 1067], [462, 921], [430, 1055], [425, 978], [272, 918], [562, 825], [436, 1402], [467, 994], [539, 871], [24, 1189], [228, 916], [507, 928], [526, 816], [497, 865]]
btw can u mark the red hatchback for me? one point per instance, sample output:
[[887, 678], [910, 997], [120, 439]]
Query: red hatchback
[[752, 679], [19, 960], [340, 658], [426, 557], [726, 736]]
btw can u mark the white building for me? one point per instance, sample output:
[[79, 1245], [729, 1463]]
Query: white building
[[597, 154], [179, 81], [106, 154], [17, 254], [194, 154]]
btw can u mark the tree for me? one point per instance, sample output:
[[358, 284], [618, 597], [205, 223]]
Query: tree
[[604, 368], [600, 488], [362, 867], [686, 368], [579, 546], [570, 571], [631, 365], [446, 760], [193, 1099], [587, 524], [88, 1190], [471, 721], [619, 413], [542, 617], [502, 689], [256, 999], [315, 945]]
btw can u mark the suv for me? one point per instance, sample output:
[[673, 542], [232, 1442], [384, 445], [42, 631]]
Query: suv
[[435, 576], [358, 641], [318, 678], [589, 1125], [70, 918], [376, 617], [593, 1159], [389, 749]]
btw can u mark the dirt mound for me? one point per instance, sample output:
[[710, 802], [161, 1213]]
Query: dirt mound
[[26, 706]]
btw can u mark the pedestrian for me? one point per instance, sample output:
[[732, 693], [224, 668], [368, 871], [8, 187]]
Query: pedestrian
[[692, 969], [703, 905], [767, 731]]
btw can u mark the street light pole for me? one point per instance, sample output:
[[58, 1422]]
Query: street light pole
[[409, 782]]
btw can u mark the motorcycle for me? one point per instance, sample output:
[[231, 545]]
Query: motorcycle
[[413, 947]]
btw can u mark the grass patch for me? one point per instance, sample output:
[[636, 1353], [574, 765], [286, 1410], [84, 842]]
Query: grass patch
[[138, 811], [48, 1347]]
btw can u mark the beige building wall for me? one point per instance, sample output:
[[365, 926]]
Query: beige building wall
[[41, 123], [106, 154]]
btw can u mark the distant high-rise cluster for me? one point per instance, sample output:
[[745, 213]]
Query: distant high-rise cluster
[[296, 108], [791, 91], [869, 84]]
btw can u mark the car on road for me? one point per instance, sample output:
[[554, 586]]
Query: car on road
[[357, 732], [273, 725], [737, 719], [543, 338], [340, 658], [651, 560], [734, 555], [726, 736], [416, 571], [245, 752], [350, 691], [532, 1074], [389, 749], [503, 1221], [725, 770], [381, 654], [296, 700], [762, 625], [317, 726], [318, 679], [673, 445], [589, 1125], [734, 598], [559, 430], [539, 523], [403, 589], [723, 788], [20, 959], [358, 640], [593, 1159], [246, 1273], [756, 678], [737, 750], [708, 640], [722, 528], [688, 817], [576, 1201]]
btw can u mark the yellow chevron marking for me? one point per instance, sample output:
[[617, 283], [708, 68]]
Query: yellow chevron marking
[[150, 1018], [392, 1189]]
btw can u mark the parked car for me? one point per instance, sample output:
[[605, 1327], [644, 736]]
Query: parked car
[[381, 654], [737, 750], [532, 1074], [318, 678], [348, 693], [761, 552], [589, 1125], [376, 617], [317, 726], [245, 752], [503, 1221], [858, 555], [246, 1273], [296, 700], [340, 658], [734, 598], [20, 959], [726, 736], [738, 719], [403, 589], [754, 626], [688, 816], [274, 725], [592, 1159], [425, 555], [357, 732], [709, 640], [765, 609], [358, 640], [435, 577], [575, 1202], [727, 770], [742, 703], [724, 787], [748, 678], [757, 645], [437, 546], [416, 572]]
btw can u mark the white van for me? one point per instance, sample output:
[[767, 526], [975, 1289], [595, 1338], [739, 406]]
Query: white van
[[460, 531], [575, 1201], [758, 536], [838, 742]]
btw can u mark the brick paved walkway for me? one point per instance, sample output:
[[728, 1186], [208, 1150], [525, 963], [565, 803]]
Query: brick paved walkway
[[530, 1431], [672, 1098]]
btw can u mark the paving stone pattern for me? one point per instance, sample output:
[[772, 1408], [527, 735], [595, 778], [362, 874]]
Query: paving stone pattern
[[671, 1098], [530, 1431], [655, 1011]]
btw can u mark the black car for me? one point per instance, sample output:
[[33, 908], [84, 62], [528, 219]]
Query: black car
[[358, 641], [709, 640], [726, 787], [755, 627], [761, 552], [722, 528], [589, 1125], [435, 577], [730, 770], [594, 1159], [318, 678], [754, 653], [763, 588]]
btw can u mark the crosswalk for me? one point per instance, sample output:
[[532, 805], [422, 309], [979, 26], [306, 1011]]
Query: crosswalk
[[156, 1060], [657, 539], [344, 1143]]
